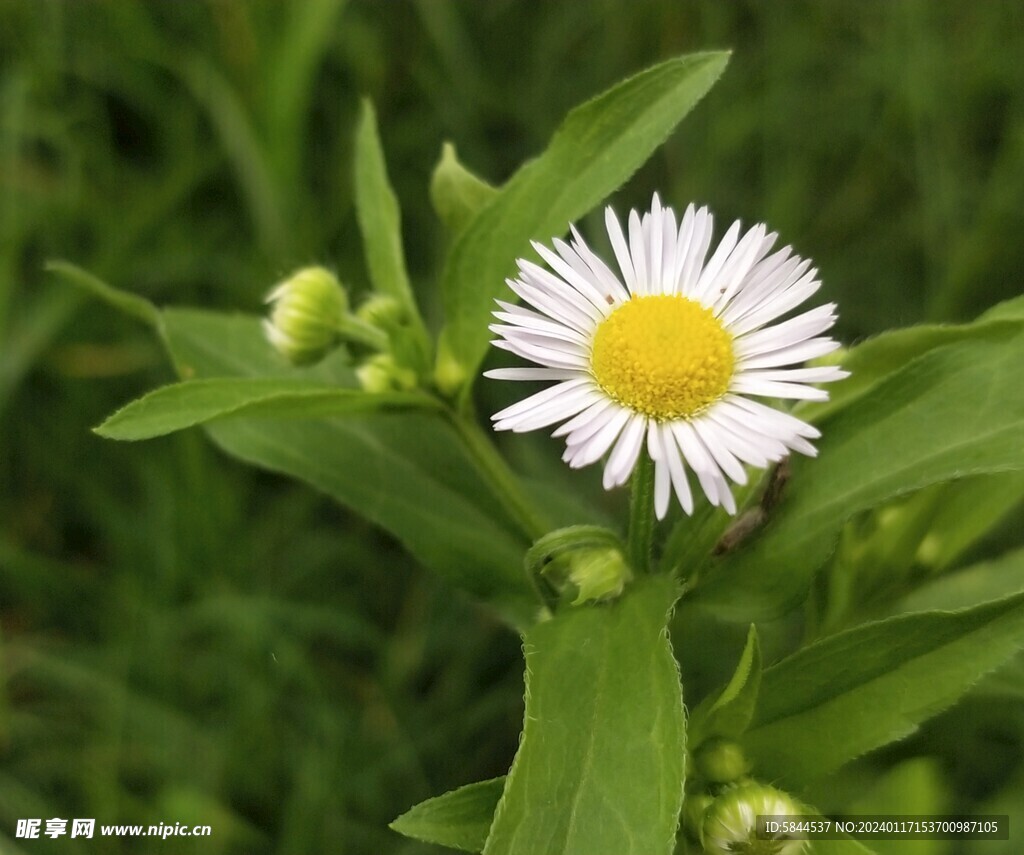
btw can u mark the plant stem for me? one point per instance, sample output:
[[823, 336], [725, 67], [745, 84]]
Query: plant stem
[[503, 480], [641, 515]]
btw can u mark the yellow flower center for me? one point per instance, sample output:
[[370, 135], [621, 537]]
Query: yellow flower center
[[666, 356]]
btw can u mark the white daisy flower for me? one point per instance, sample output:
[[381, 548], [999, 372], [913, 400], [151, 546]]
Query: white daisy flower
[[671, 352]]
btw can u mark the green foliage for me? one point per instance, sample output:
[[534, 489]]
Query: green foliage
[[460, 819], [603, 734], [378, 213], [954, 411], [456, 193], [195, 402], [436, 504], [600, 144], [186, 637], [729, 713], [873, 685]]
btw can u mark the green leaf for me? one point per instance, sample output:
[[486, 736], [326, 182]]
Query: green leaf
[[601, 762], [459, 819], [969, 509], [872, 361], [380, 219], [861, 689], [957, 410], [380, 222], [599, 145], [194, 402], [913, 787], [728, 714], [456, 193], [970, 586], [123, 301], [435, 503]]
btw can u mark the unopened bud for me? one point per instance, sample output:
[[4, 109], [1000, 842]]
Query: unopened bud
[[306, 312], [694, 808], [449, 374], [380, 373], [589, 574], [721, 761], [383, 311], [730, 823]]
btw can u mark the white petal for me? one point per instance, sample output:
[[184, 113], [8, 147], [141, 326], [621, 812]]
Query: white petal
[[715, 265], [662, 488], [591, 415], [591, 450], [602, 272], [710, 476], [621, 250], [655, 235], [810, 349], [817, 374], [638, 251], [670, 450], [531, 374], [580, 283], [553, 306], [562, 339], [703, 225], [541, 397], [725, 459], [750, 385], [563, 407], [552, 284], [543, 355], [668, 249], [624, 455], [793, 331]]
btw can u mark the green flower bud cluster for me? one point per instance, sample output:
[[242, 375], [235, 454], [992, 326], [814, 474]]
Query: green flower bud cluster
[[310, 316], [721, 809]]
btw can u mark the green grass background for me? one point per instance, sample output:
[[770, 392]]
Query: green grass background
[[186, 640]]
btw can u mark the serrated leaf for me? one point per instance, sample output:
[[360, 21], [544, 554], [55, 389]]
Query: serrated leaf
[[456, 193], [728, 713], [599, 145], [872, 685], [967, 587], [195, 402], [601, 762], [875, 359], [957, 410], [459, 819], [436, 504]]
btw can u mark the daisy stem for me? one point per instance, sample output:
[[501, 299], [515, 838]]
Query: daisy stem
[[506, 486], [641, 515]]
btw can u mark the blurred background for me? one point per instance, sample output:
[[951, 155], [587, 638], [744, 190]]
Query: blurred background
[[184, 639]]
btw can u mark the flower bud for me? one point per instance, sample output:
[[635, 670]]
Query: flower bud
[[721, 761], [730, 823], [307, 310], [694, 808], [380, 373], [449, 374], [598, 574], [589, 574], [383, 311]]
